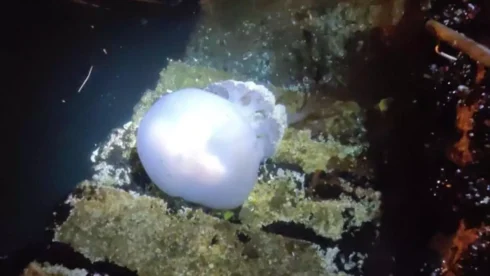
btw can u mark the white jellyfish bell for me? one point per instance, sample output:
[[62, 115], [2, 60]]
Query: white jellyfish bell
[[206, 146]]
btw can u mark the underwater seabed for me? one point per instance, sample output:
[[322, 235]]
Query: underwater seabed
[[299, 219], [293, 221], [347, 193]]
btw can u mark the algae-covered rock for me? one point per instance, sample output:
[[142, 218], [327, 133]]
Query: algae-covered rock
[[278, 198], [299, 147], [337, 133], [140, 233]]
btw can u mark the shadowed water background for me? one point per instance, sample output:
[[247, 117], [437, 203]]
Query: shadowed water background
[[52, 129]]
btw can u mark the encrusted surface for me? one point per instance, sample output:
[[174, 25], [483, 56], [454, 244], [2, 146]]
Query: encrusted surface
[[138, 232], [277, 198], [298, 147]]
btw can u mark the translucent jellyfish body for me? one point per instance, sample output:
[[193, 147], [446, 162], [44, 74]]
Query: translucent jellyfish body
[[206, 146]]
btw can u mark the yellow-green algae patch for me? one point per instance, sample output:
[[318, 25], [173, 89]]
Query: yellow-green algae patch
[[279, 199], [331, 119], [298, 147], [139, 233]]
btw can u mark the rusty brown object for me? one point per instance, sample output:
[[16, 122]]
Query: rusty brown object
[[460, 152], [480, 74], [452, 247], [459, 41]]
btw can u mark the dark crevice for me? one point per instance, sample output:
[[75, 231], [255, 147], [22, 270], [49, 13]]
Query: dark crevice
[[356, 240], [298, 231], [242, 237]]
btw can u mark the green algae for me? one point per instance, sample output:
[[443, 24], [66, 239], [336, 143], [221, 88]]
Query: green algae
[[139, 233], [279, 199], [298, 147], [336, 131]]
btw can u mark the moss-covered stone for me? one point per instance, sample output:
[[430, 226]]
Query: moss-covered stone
[[298, 147], [279, 199], [334, 131], [139, 233]]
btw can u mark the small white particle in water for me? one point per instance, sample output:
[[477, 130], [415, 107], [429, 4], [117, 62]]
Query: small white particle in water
[[104, 50], [63, 101], [95, 153], [247, 55]]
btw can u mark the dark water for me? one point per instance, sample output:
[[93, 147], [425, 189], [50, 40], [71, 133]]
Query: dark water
[[51, 129]]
